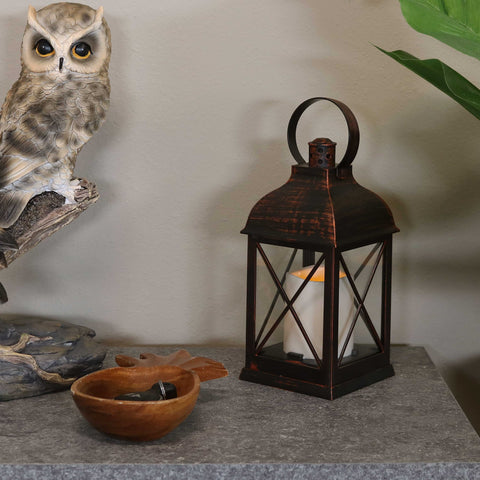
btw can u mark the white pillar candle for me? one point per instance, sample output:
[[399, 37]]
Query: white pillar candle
[[309, 308]]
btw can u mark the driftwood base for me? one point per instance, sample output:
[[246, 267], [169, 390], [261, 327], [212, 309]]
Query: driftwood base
[[39, 355]]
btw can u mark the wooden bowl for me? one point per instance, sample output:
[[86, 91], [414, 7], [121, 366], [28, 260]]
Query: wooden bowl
[[141, 421]]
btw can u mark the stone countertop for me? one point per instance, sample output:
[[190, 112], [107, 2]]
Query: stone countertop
[[407, 426]]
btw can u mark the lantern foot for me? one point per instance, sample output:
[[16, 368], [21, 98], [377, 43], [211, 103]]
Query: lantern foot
[[315, 390]]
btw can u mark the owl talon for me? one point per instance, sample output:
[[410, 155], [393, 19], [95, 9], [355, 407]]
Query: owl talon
[[69, 200], [70, 192], [82, 194]]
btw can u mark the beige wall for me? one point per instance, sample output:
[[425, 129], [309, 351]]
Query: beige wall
[[202, 91]]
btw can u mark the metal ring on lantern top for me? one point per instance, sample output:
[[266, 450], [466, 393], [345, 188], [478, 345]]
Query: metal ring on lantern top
[[353, 131]]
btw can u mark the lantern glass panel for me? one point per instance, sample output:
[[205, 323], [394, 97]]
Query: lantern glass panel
[[269, 300], [303, 324], [364, 266]]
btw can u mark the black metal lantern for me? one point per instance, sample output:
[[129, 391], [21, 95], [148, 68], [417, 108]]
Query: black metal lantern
[[319, 276]]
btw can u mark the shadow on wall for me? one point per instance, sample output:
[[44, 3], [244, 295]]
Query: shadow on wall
[[441, 151], [267, 167]]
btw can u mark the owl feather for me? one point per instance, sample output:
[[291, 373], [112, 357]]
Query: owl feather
[[52, 110]]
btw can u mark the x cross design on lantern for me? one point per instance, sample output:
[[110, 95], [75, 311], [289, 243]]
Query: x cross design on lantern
[[289, 303], [359, 300]]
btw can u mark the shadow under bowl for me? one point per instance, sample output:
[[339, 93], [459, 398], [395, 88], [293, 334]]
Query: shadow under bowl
[[140, 421]]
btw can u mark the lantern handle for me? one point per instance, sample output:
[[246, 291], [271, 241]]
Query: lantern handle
[[353, 131]]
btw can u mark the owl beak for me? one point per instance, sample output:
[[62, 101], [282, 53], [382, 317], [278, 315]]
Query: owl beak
[[60, 64]]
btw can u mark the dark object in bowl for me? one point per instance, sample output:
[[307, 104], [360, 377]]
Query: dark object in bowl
[[158, 391]]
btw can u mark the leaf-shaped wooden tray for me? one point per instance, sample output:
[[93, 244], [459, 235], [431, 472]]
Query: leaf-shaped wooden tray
[[205, 368]]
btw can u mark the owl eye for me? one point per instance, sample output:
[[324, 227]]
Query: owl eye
[[43, 48], [81, 50]]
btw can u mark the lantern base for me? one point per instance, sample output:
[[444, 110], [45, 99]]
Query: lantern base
[[315, 390], [277, 352]]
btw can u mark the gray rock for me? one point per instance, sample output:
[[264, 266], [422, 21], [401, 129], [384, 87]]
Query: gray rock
[[40, 355]]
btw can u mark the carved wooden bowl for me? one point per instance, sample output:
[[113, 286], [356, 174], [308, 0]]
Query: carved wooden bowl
[[146, 420]]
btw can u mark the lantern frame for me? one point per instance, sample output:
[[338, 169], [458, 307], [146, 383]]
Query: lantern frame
[[276, 221]]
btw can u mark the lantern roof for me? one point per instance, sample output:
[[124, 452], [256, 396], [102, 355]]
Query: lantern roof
[[321, 204], [318, 207]]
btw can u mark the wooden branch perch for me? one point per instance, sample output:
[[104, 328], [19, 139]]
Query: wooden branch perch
[[43, 216]]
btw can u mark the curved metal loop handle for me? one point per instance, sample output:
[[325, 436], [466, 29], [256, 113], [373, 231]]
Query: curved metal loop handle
[[353, 131]]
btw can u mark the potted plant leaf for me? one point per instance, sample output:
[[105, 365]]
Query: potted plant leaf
[[455, 23]]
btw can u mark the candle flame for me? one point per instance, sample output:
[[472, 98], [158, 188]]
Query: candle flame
[[318, 276]]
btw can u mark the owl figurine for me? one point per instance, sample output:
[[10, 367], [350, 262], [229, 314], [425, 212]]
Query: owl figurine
[[53, 109]]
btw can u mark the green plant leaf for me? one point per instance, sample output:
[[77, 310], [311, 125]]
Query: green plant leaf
[[454, 22], [443, 77]]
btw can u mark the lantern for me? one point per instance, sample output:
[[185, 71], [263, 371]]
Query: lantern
[[319, 275]]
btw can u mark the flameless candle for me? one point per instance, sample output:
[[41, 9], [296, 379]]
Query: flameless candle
[[309, 308]]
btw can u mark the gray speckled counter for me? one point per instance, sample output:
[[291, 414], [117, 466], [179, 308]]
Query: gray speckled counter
[[405, 427]]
